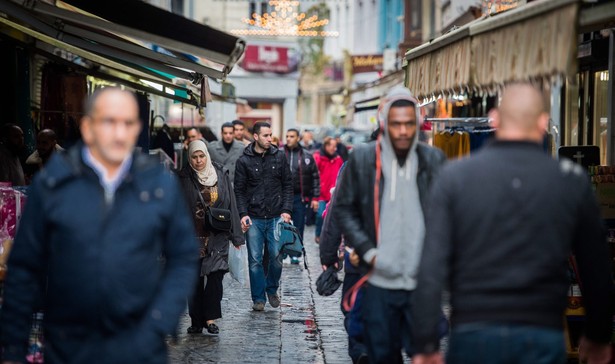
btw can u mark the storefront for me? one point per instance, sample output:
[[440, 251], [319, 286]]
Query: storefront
[[66, 53], [567, 49]]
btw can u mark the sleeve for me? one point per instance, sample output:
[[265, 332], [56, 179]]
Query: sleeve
[[181, 252], [348, 207], [238, 237], [287, 185], [241, 184], [25, 278], [330, 238], [434, 267], [315, 179], [591, 252]]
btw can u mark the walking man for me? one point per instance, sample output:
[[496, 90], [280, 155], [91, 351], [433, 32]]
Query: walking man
[[306, 180], [500, 228], [239, 129], [379, 205], [226, 151], [264, 191], [98, 219]]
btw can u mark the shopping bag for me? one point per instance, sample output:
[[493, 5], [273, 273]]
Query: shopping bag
[[238, 264]]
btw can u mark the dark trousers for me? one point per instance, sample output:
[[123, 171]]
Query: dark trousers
[[356, 347], [299, 208], [505, 344], [206, 301], [387, 324]]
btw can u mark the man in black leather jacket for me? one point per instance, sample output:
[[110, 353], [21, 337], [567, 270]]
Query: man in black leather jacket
[[398, 169], [264, 192]]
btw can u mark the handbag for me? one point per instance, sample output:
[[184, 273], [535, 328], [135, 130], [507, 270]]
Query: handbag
[[216, 219]]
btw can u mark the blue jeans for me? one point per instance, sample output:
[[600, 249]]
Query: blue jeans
[[319, 220], [299, 209], [486, 343], [260, 235]]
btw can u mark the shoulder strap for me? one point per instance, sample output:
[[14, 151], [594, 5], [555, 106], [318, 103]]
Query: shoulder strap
[[198, 192]]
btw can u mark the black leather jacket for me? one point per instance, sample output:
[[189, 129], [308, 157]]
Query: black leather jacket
[[354, 201], [306, 179], [263, 184]]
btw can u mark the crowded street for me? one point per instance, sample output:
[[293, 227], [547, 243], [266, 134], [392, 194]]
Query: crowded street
[[307, 181]]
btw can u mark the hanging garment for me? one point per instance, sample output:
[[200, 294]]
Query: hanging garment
[[455, 144]]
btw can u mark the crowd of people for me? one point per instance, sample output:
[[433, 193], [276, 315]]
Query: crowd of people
[[112, 244]]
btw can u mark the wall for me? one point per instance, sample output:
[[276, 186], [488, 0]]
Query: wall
[[222, 15]]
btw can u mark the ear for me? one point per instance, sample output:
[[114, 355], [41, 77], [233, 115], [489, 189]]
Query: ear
[[494, 116], [86, 129], [543, 122]]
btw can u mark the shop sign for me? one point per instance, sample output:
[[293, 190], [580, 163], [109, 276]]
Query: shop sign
[[262, 58], [587, 155], [367, 63], [496, 6]]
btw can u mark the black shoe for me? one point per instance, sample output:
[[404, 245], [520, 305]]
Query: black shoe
[[213, 329], [195, 330]]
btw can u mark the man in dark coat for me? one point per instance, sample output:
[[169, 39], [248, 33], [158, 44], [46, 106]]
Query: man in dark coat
[[97, 222], [306, 180], [379, 205], [264, 191], [226, 151], [501, 226]]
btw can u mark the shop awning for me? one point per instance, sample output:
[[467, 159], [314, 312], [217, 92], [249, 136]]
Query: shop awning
[[117, 40], [532, 41], [537, 40]]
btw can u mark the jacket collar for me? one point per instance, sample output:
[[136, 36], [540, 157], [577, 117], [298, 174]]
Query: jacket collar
[[251, 152], [67, 165]]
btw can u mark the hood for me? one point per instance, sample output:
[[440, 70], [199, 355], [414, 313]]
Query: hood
[[398, 93], [249, 150]]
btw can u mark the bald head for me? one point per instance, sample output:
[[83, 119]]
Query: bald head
[[521, 114], [108, 92]]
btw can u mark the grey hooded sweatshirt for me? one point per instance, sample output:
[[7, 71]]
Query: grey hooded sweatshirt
[[402, 225]]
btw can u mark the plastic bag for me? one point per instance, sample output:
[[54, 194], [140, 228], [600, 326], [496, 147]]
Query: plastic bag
[[238, 264]]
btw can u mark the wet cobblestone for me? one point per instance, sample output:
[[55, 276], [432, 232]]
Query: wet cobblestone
[[306, 328]]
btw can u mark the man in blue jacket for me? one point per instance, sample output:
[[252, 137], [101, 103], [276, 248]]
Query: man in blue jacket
[[264, 191], [98, 219]]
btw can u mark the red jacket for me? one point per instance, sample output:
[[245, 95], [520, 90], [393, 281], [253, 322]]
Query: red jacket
[[328, 170]]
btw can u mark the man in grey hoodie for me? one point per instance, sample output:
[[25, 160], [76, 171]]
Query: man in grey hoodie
[[379, 206]]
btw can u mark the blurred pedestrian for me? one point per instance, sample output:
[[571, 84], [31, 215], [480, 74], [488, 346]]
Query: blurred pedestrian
[[205, 185], [331, 239], [308, 142], [227, 150], [164, 141], [11, 146], [342, 149], [192, 134], [379, 205], [306, 180], [264, 191], [46, 145], [501, 226], [98, 219], [329, 164], [239, 129]]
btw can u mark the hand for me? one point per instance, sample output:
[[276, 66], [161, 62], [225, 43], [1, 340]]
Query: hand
[[314, 205], [324, 267], [246, 222], [593, 353], [433, 358], [354, 259], [285, 217]]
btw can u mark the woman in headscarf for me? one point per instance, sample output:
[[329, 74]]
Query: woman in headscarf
[[203, 177]]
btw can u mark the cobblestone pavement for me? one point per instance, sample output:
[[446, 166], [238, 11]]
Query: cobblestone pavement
[[306, 328]]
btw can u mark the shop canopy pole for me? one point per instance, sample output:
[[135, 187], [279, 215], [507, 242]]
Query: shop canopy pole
[[610, 158]]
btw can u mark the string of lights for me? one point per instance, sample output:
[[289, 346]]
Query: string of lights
[[285, 20]]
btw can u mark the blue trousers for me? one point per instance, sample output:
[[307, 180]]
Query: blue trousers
[[299, 209], [486, 343], [259, 237], [322, 205]]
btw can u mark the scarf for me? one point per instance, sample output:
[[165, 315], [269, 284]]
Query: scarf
[[208, 176]]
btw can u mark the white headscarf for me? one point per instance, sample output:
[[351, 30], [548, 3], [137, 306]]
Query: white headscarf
[[208, 176]]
